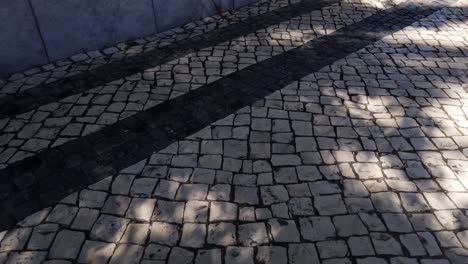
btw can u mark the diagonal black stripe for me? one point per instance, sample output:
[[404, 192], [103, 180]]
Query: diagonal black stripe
[[30, 99], [41, 180]]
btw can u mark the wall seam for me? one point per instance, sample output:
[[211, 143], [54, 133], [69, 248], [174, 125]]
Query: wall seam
[[38, 28], [154, 16]]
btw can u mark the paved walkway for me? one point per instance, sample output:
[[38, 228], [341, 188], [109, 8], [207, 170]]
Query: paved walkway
[[325, 131]]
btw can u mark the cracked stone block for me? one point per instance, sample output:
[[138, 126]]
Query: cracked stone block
[[188, 192], [166, 234], [35, 219], [348, 225], [42, 236], [196, 211], [361, 246], [223, 211], [252, 234], [430, 243], [439, 201], [166, 189], [121, 184], [283, 230], [96, 252], [332, 249], [92, 199], [154, 252], [273, 194], [397, 223], [302, 253], [223, 234], [412, 243], [109, 228], [172, 212], [62, 214], [116, 205], [210, 256], [236, 255], [67, 245], [386, 202], [142, 187], [193, 235], [141, 209], [330, 205], [126, 253], [385, 244], [271, 254], [136, 234], [180, 255], [246, 195], [85, 219], [368, 171], [32, 257], [317, 228], [15, 239]]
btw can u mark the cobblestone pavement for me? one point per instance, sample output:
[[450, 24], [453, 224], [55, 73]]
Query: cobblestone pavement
[[80, 114], [337, 136]]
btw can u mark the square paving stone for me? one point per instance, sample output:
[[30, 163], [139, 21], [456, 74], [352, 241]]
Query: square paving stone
[[385, 244], [284, 230], [193, 235], [109, 228], [15, 239], [96, 252], [210, 256], [303, 253], [317, 228], [30, 257], [222, 234], [167, 211], [188, 192], [274, 194], [163, 233], [361, 246], [236, 255], [386, 202], [196, 211], [141, 209], [42, 236], [348, 225], [253, 234], [127, 254], [332, 249], [67, 245], [330, 205], [271, 254], [136, 234], [246, 195], [223, 211]]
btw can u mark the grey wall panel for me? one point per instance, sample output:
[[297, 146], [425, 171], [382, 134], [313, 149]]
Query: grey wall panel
[[225, 4], [174, 13], [239, 3], [20, 43], [68, 27], [72, 26]]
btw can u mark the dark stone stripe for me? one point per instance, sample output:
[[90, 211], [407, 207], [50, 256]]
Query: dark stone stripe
[[40, 181], [30, 99]]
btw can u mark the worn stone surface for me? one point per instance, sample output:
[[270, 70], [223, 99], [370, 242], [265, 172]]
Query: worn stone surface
[[360, 160]]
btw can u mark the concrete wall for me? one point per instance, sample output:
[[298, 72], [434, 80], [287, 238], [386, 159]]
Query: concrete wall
[[35, 32]]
